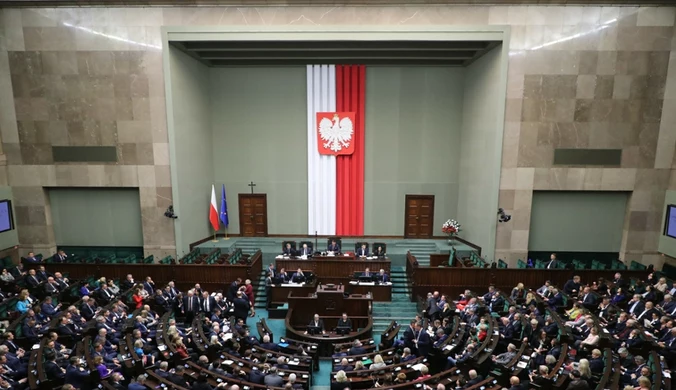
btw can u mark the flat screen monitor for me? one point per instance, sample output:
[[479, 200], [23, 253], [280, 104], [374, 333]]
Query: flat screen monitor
[[364, 278], [670, 221], [314, 330], [342, 330], [6, 218]]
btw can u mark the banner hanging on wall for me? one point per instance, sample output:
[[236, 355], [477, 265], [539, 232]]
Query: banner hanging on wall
[[335, 133]]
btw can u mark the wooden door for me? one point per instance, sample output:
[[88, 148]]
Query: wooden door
[[419, 216], [253, 215]]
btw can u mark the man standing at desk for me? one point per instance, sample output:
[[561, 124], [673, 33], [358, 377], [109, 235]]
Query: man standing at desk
[[363, 251], [334, 247], [298, 277], [317, 324], [305, 251], [383, 277], [345, 322]]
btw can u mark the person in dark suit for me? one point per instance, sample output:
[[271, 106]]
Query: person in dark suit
[[363, 251], [422, 341], [357, 349], [258, 376], [191, 307], [128, 282], [139, 384], [572, 286], [269, 345], [53, 371], [208, 302], [177, 377], [344, 322], [317, 323], [635, 306], [31, 259], [232, 289], [343, 366], [298, 277], [646, 313], [60, 257], [149, 286], [432, 307], [288, 250], [379, 252], [367, 273], [105, 295], [383, 277], [31, 279], [588, 299], [242, 306], [553, 263], [305, 251], [333, 247], [596, 364], [42, 274], [48, 307], [76, 375], [283, 276], [474, 378]]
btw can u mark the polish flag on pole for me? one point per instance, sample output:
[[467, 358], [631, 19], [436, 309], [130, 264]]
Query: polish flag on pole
[[213, 211]]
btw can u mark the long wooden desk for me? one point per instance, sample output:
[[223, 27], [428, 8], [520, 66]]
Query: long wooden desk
[[454, 281], [211, 277], [338, 269], [379, 292], [280, 293]]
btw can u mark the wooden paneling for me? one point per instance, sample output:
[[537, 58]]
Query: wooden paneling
[[253, 215], [211, 277], [419, 216], [455, 280]]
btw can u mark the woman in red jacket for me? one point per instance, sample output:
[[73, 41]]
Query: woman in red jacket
[[137, 298]]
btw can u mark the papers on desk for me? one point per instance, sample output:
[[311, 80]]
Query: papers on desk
[[522, 365], [227, 362], [279, 257], [293, 362], [355, 283], [227, 336], [448, 347], [346, 255], [418, 366], [304, 257], [292, 284], [330, 254], [367, 283]]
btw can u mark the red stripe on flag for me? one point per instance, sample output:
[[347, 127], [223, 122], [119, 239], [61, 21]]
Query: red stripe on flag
[[350, 96]]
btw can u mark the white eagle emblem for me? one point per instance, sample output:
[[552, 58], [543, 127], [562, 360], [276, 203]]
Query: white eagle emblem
[[336, 133]]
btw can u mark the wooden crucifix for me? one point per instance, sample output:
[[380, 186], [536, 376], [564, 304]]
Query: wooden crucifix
[[252, 185]]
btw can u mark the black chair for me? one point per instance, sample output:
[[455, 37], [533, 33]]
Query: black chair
[[358, 245], [338, 241], [379, 244], [309, 245]]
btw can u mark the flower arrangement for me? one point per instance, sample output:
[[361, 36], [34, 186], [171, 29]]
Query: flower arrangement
[[451, 227]]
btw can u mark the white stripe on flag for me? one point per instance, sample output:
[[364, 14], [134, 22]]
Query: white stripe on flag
[[321, 96]]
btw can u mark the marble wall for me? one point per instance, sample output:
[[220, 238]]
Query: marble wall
[[579, 77]]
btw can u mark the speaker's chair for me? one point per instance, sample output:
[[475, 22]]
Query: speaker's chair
[[293, 244], [358, 245], [309, 245], [338, 241], [375, 246]]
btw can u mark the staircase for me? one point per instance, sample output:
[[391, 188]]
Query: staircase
[[259, 303], [251, 245], [420, 249], [401, 309]]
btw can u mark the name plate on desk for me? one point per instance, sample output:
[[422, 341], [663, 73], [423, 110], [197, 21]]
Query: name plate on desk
[[367, 283], [293, 284]]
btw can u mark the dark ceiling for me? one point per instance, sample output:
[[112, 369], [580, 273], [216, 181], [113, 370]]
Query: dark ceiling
[[261, 3], [253, 53]]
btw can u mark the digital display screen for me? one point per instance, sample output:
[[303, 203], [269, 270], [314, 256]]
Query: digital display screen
[[670, 221], [6, 221]]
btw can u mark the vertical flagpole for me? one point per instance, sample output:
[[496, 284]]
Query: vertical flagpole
[[226, 234], [214, 240]]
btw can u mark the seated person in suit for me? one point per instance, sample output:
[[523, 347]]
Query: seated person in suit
[[383, 277], [298, 277], [60, 257], [344, 322], [317, 323], [363, 251], [343, 366], [367, 273], [333, 247], [288, 250], [31, 259], [305, 251], [32, 279], [379, 252], [356, 349], [283, 276]]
